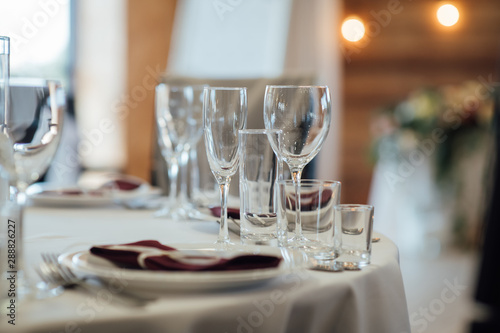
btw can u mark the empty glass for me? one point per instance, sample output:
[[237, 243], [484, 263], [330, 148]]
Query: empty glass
[[303, 114], [33, 121], [4, 75], [260, 169], [6, 154], [317, 199], [355, 225], [224, 114], [179, 125]]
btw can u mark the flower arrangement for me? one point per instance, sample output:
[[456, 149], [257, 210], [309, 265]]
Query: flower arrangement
[[446, 125]]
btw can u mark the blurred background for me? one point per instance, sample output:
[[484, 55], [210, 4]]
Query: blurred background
[[411, 84]]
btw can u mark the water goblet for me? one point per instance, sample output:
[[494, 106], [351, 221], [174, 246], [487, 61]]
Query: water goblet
[[303, 115], [179, 128], [33, 123]]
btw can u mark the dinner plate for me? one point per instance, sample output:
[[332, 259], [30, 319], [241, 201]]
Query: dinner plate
[[73, 196], [42, 194], [147, 281]]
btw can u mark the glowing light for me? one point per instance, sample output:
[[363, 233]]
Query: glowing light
[[353, 29], [448, 15]]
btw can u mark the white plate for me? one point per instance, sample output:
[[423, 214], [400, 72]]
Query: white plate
[[161, 281], [46, 195], [42, 194]]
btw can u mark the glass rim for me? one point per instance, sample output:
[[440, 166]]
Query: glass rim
[[225, 88], [354, 207], [296, 87], [187, 85], [259, 131], [4, 45], [289, 182]]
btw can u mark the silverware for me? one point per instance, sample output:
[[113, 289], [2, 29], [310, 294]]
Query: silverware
[[262, 220], [55, 274], [375, 239]]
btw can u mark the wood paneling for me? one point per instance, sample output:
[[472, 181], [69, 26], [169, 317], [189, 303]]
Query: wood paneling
[[410, 51], [149, 31]]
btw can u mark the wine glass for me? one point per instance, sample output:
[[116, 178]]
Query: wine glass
[[189, 154], [179, 123], [224, 114], [33, 123], [303, 114]]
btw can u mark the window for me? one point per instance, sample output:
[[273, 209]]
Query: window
[[40, 37]]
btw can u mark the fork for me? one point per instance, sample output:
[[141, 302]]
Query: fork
[[54, 273]]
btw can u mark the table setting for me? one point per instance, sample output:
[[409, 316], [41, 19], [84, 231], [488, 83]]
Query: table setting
[[101, 190], [113, 255]]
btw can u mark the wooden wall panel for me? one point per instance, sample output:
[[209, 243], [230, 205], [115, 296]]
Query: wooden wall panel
[[411, 51], [149, 31]]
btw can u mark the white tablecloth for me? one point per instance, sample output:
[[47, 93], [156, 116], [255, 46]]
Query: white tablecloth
[[371, 300]]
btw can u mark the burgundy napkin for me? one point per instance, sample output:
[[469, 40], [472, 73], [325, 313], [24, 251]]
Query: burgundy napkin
[[231, 212], [125, 184], [152, 255]]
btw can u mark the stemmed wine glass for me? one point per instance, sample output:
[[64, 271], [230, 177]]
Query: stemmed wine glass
[[33, 122], [303, 114], [189, 154], [179, 113], [224, 114]]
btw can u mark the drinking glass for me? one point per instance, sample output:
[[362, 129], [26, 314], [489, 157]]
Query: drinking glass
[[5, 155], [318, 199], [355, 226], [33, 122], [204, 190], [224, 114], [6, 163], [303, 114], [4, 74], [178, 119], [260, 169]]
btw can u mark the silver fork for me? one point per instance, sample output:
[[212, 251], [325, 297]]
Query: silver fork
[[54, 273]]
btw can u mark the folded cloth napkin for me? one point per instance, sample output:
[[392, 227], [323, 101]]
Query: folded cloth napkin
[[231, 212], [152, 255]]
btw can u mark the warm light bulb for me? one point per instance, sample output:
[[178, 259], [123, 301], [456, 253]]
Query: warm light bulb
[[448, 15], [353, 29]]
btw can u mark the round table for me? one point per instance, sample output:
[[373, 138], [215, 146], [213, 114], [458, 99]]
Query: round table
[[370, 300]]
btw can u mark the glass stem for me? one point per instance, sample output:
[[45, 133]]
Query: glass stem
[[173, 172], [194, 172], [296, 175], [182, 198], [223, 231]]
